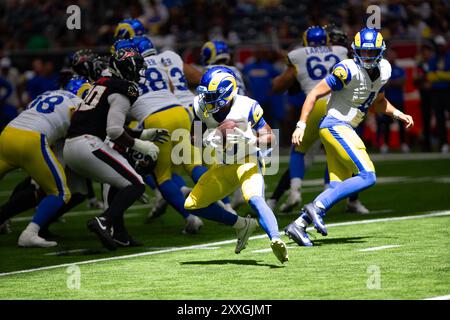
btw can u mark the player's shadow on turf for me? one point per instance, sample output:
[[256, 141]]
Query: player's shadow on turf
[[343, 240], [233, 261]]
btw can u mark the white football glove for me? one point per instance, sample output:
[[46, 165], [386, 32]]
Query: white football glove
[[246, 136], [155, 135], [147, 148], [212, 140]]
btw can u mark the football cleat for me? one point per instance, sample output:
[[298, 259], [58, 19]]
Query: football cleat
[[193, 225], [279, 250], [101, 227], [145, 199], [244, 233], [356, 206], [294, 199], [314, 212], [158, 210], [30, 239], [298, 234], [123, 239]]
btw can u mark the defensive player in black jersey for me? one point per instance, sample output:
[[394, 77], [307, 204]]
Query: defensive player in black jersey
[[103, 115]]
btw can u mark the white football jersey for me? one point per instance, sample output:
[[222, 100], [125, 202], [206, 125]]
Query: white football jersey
[[48, 114], [249, 115], [154, 90], [315, 63], [242, 90], [354, 91], [174, 66]]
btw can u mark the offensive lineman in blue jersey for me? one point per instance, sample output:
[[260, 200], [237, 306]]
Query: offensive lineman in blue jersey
[[355, 85]]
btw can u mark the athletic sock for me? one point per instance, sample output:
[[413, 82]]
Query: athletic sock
[[46, 209], [216, 213], [197, 172], [267, 219], [173, 195], [282, 186], [123, 199], [297, 164]]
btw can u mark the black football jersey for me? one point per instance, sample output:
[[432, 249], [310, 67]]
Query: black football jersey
[[91, 116]]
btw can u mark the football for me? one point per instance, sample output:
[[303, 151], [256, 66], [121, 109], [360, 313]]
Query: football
[[228, 125]]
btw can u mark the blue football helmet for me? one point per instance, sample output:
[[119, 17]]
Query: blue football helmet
[[214, 51], [371, 40], [78, 85], [129, 28], [122, 44], [217, 88], [144, 46], [315, 36]]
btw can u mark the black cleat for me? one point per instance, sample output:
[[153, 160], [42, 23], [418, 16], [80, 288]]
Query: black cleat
[[125, 240], [100, 226]]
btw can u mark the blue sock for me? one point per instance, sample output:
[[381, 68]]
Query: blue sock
[[173, 195], [150, 182], [226, 200], [46, 209], [178, 180], [297, 164], [267, 219], [197, 172], [216, 213], [341, 190]]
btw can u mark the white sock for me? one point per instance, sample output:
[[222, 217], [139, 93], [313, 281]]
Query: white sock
[[33, 228], [296, 184], [240, 223]]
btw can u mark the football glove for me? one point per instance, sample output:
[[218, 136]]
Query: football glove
[[212, 140], [242, 136], [155, 135], [147, 148]]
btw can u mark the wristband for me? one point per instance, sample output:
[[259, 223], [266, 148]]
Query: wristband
[[301, 125], [397, 113]]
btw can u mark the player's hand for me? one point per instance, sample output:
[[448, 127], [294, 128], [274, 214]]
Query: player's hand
[[147, 148], [212, 140], [239, 135], [155, 135], [297, 136], [407, 120]]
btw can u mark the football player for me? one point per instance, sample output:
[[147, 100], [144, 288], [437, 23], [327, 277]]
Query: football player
[[101, 115], [26, 143], [218, 100], [355, 85]]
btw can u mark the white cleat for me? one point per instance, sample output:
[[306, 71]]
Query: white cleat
[[193, 225], [5, 228], [29, 239], [279, 250], [294, 199], [356, 207], [244, 233]]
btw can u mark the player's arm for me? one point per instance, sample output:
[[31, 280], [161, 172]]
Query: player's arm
[[381, 104], [265, 136], [285, 80], [192, 75], [319, 91]]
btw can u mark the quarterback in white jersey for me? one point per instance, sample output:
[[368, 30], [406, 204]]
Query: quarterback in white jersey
[[217, 101], [355, 85], [26, 143]]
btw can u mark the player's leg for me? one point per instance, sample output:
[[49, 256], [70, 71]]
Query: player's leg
[[297, 159], [43, 166], [212, 186], [108, 166], [252, 184]]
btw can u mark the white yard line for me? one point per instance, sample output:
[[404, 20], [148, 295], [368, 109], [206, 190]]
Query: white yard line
[[379, 248], [447, 297], [220, 243]]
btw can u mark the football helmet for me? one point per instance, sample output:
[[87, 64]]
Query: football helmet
[[315, 36], [144, 46], [127, 64], [214, 51], [217, 88], [80, 62], [78, 85], [129, 28], [336, 36], [368, 47]]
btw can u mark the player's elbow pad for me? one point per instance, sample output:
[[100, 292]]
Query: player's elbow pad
[[114, 132]]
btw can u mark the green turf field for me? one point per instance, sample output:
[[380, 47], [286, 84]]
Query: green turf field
[[403, 258]]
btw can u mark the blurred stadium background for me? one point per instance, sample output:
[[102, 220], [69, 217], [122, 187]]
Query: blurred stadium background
[[35, 44]]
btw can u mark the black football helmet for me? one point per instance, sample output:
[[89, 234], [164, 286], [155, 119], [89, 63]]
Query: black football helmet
[[336, 35], [81, 62], [126, 64]]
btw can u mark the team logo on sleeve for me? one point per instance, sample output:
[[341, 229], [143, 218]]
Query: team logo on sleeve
[[341, 72]]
